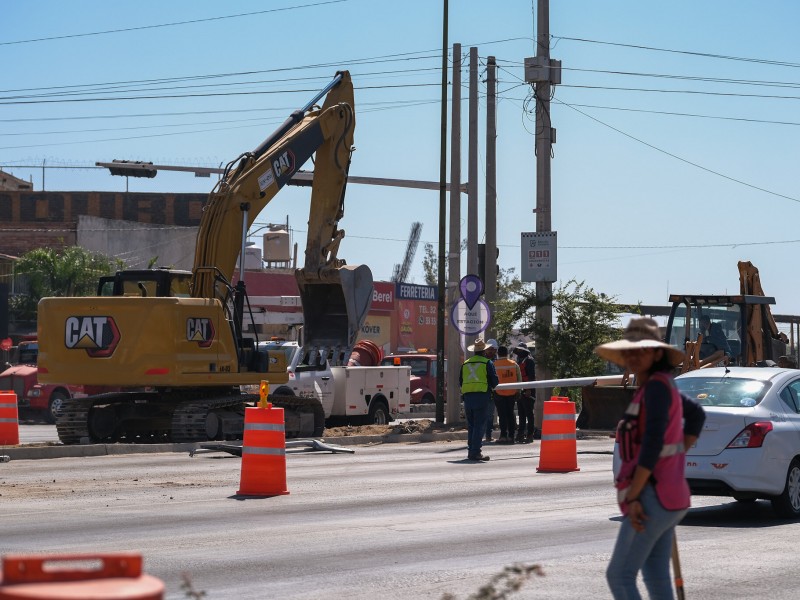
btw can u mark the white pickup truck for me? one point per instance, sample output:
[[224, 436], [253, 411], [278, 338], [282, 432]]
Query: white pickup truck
[[356, 395]]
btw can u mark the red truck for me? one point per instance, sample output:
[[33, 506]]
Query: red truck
[[43, 401], [423, 374]]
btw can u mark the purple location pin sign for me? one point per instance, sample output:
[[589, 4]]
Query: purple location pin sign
[[471, 289]]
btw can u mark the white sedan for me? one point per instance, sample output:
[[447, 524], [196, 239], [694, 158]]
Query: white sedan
[[750, 444]]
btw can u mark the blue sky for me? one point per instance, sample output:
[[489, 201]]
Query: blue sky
[[663, 175]]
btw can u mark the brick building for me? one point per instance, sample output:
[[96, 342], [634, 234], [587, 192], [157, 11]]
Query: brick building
[[31, 220]]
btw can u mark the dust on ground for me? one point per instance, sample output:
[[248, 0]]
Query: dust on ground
[[412, 426]]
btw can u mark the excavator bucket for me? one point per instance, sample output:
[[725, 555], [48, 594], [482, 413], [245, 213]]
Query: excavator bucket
[[335, 306]]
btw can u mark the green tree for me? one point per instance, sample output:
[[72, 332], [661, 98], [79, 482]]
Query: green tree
[[584, 319], [430, 263], [70, 271]]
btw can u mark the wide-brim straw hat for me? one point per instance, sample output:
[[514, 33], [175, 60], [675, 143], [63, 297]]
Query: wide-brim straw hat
[[640, 333], [521, 349], [478, 346]]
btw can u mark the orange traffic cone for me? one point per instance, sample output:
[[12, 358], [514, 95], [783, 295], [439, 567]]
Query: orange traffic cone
[[263, 453], [559, 449], [9, 419], [105, 577]]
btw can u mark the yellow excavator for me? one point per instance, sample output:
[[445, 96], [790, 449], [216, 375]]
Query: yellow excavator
[[174, 340]]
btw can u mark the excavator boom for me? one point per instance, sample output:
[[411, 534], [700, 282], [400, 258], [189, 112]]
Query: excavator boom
[[335, 297]]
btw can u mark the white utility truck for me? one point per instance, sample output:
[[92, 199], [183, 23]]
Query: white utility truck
[[357, 395]]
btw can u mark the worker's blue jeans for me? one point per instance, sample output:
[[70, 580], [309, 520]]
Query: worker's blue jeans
[[476, 410], [648, 551]]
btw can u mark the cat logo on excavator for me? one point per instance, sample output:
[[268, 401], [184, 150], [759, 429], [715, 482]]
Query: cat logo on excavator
[[284, 164], [200, 330], [99, 336]]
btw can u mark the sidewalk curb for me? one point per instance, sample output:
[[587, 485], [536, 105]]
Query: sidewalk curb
[[31, 452]]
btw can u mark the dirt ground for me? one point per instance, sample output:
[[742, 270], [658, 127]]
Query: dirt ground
[[414, 426]]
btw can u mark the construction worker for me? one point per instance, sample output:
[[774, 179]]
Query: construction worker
[[491, 354], [477, 378], [505, 400], [527, 367]]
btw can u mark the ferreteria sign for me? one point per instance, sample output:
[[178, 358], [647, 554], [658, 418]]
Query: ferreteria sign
[[409, 291]]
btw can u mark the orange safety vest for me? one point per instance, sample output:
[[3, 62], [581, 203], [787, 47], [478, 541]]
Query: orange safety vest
[[507, 372]]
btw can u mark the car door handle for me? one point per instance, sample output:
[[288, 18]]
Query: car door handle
[[325, 378]]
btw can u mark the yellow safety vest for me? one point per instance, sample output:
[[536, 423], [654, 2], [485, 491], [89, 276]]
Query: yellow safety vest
[[507, 372], [474, 375]]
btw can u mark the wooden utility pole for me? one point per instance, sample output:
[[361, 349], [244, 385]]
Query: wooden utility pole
[[490, 255], [453, 414]]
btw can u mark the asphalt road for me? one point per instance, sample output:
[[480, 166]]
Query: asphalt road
[[392, 521]]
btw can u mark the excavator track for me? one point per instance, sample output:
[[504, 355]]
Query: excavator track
[[73, 420], [190, 418], [209, 418]]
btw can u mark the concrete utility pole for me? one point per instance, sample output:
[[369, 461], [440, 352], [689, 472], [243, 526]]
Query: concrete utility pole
[[472, 166], [544, 289], [490, 256], [454, 256], [472, 171]]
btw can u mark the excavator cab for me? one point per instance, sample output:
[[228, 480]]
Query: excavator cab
[[732, 316], [159, 282]]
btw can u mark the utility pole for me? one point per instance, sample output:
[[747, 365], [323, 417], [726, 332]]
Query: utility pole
[[543, 72], [472, 165], [440, 314], [490, 254], [454, 256]]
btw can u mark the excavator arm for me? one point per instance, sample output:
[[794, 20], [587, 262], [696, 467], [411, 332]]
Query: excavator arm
[[759, 319], [335, 297]]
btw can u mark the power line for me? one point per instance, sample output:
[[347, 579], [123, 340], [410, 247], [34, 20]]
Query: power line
[[209, 94], [396, 105], [679, 114], [192, 22], [143, 83], [687, 52], [396, 73], [697, 92], [675, 156], [387, 103], [684, 160]]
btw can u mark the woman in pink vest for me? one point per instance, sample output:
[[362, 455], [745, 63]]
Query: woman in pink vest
[[651, 488]]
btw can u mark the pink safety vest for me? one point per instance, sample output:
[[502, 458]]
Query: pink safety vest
[[668, 475]]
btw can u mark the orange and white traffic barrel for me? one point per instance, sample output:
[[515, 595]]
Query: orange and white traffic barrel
[[9, 419], [77, 576], [263, 453], [559, 449]]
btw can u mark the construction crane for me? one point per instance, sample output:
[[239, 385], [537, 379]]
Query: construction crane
[[401, 270]]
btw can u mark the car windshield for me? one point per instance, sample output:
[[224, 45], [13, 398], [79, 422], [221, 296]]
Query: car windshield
[[723, 391]]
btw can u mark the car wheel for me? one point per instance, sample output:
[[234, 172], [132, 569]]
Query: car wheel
[[54, 407], [787, 504], [379, 413]]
